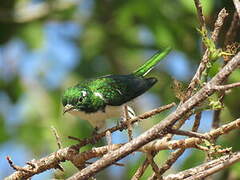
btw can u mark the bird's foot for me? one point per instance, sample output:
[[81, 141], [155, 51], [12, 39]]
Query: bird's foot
[[121, 122], [95, 135], [109, 140], [128, 115]]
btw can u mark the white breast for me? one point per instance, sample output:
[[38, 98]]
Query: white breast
[[98, 118]]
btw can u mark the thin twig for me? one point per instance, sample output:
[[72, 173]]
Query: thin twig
[[200, 13], [187, 133], [197, 120], [15, 167], [232, 31], [116, 164], [218, 24], [153, 164], [55, 133], [128, 121], [229, 39], [140, 171], [169, 162], [227, 86]]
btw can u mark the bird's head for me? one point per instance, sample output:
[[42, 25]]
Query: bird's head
[[76, 99]]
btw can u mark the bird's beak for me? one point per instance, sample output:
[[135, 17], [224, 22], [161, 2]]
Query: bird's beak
[[67, 108]]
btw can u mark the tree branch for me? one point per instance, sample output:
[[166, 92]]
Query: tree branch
[[227, 86], [206, 169], [200, 13]]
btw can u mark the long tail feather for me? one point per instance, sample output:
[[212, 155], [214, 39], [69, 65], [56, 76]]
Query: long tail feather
[[151, 63]]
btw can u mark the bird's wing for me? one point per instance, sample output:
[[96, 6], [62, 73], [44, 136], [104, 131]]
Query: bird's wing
[[116, 90]]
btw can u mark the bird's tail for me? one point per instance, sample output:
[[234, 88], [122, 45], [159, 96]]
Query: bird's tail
[[151, 63]]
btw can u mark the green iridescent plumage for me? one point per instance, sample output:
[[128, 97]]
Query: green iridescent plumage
[[113, 90], [94, 95]]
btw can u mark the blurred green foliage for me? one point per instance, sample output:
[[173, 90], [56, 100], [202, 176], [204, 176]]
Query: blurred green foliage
[[114, 37]]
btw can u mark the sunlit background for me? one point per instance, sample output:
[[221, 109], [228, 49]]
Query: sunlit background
[[47, 46]]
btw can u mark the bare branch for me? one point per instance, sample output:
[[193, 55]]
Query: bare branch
[[198, 116], [128, 121], [232, 31], [206, 169], [154, 165], [218, 24], [190, 142], [55, 133], [187, 133], [229, 39], [138, 174], [226, 87], [15, 167], [170, 161], [43, 164], [200, 13]]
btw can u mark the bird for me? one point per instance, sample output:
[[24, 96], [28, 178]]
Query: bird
[[102, 98]]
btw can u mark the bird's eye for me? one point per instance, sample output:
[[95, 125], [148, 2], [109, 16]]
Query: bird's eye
[[80, 99]]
